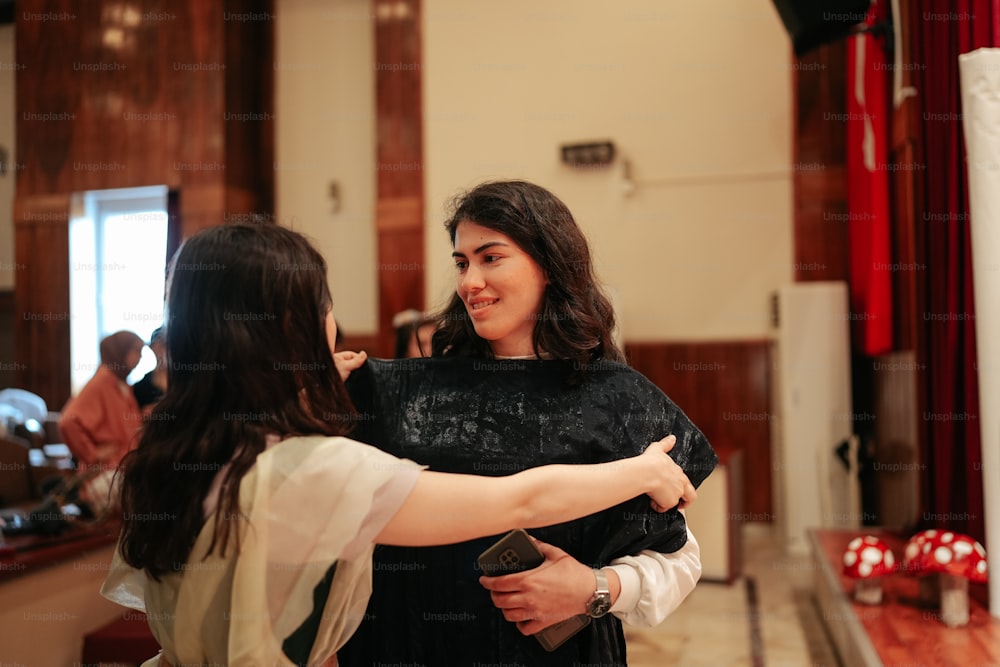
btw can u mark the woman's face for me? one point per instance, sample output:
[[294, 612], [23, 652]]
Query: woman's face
[[501, 286], [331, 331]]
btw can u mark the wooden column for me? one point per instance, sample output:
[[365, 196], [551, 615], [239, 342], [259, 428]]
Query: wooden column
[[399, 209], [117, 95], [820, 181]]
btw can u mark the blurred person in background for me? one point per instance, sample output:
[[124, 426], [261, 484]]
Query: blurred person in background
[[413, 334], [150, 388], [101, 423]]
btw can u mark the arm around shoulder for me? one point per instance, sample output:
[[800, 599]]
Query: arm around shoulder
[[439, 509]]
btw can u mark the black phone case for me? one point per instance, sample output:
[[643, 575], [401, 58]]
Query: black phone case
[[515, 553]]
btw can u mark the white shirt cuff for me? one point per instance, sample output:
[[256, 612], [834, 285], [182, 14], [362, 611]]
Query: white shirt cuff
[[654, 584], [631, 588]]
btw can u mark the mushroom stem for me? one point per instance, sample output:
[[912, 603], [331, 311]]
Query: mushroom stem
[[954, 600], [868, 591]]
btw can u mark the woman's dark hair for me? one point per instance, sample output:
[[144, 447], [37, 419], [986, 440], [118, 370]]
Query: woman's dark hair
[[576, 318], [247, 358]]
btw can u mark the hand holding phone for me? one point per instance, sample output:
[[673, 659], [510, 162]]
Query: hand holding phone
[[515, 552]]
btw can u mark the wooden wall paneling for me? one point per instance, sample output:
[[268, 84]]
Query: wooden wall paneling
[[181, 97], [194, 95], [820, 179], [42, 315], [130, 94], [249, 109], [173, 226], [725, 388], [8, 359], [401, 262], [47, 99], [399, 207]]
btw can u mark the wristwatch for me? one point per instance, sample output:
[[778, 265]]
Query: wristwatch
[[601, 602]]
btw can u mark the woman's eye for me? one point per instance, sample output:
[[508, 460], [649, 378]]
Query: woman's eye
[[461, 266], [491, 258]]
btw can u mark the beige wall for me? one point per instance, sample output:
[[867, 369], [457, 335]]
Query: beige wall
[[325, 105], [7, 70], [695, 250]]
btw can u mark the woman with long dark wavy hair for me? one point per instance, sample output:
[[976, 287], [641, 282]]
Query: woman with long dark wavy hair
[[528, 307], [569, 317], [248, 518]]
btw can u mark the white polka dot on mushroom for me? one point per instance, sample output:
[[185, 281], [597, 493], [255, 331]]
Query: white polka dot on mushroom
[[871, 555], [942, 555]]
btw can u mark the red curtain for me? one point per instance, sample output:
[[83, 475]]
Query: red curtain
[[868, 187], [952, 489]]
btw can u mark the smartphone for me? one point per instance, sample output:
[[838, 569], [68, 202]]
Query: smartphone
[[516, 553], [513, 553], [556, 635]]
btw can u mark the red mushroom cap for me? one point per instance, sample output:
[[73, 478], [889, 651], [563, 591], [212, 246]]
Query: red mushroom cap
[[868, 557], [955, 554], [915, 555]]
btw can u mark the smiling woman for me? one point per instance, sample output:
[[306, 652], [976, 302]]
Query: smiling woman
[[529, 351], [502, 288], [526, 281]]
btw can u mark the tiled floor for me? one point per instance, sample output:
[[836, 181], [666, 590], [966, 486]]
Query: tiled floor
[[720, 625]]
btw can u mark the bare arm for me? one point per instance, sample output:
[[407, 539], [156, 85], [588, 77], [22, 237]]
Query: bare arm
[[445, 508]]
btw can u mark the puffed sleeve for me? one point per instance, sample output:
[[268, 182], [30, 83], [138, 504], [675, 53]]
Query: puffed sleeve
[[311, 508], [314, 502]]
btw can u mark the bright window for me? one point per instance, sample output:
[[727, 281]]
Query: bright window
[[118, 255]]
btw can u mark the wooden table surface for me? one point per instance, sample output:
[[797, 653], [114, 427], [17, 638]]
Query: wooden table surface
[[24, 554], [900, 631]]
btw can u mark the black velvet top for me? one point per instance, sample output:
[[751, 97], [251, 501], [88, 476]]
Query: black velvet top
[[496, 417]]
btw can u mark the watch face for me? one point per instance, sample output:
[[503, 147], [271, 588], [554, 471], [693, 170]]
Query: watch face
[[599, 606]]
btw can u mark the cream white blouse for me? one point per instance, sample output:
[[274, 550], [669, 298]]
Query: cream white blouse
[[310, 502]]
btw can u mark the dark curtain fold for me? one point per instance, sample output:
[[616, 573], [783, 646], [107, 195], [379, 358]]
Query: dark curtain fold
[[952, 484]]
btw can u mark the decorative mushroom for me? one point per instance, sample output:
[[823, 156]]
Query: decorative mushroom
[[959, 559], [915, 556], [868, 559]]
